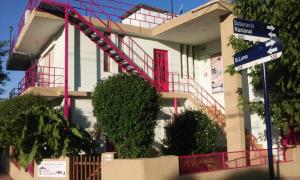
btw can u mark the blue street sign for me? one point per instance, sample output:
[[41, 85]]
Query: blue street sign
[[261, 53], [253, 30]]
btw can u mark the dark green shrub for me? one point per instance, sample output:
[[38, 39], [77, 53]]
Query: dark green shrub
[[10, 125], [126, 107], [47, 134], [191, 132]]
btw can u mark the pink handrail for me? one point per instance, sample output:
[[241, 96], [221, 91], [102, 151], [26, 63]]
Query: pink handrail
[[190, 86], [147, 57]]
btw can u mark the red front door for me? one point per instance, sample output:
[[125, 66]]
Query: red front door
[[161, 72]]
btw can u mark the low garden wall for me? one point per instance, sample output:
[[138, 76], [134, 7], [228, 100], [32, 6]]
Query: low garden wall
[[46, 170], [161, 168], [167, 168]]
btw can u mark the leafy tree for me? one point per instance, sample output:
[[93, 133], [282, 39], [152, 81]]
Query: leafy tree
[[191, 132], [46, 134], [3, 75], [126, 107], [10, 124], [284, 73]]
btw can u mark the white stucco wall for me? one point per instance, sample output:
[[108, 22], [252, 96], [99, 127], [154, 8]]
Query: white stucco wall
[[203, 67], [258, 127], [146, 18]]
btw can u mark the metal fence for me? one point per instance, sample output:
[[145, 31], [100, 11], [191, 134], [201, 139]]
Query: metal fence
[[228, 160], [85, 167]]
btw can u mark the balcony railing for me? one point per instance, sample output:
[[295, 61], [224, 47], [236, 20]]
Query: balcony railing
[[39, 76]]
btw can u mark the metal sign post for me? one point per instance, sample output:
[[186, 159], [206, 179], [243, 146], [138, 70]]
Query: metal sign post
[[268, 122], [268, 49]]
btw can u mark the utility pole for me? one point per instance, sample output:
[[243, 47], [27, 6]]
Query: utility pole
[[172, 8]]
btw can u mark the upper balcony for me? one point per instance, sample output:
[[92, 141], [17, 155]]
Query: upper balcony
[[39, 77]]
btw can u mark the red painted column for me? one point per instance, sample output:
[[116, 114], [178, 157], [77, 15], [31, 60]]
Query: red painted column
[[175, 105], [66, 90]]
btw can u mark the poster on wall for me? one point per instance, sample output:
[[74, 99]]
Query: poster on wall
[[217, 74], [55, 169]]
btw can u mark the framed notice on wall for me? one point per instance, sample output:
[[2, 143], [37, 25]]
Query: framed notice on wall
[[55, 169], [217, 82]]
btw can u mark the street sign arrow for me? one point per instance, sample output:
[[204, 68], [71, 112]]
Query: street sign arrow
[[272, 28], [272, 50], [270, 43], [272, 35], [253, 30], [263, 52]]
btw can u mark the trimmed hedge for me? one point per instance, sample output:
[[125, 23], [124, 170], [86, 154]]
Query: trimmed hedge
[[191, 132], [126, 108]]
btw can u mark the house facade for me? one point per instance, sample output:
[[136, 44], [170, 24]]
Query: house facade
[[65, 48]]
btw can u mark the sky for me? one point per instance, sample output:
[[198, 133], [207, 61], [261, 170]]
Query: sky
[[11, 12]]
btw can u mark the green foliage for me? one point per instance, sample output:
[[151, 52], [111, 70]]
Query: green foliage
[[46, 134], [126, 107], [3, 75], [191, 132], [10, 125], [284, 73]]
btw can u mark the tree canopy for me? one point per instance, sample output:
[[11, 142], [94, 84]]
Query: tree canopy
[[3, 74], [47, 134], [126, 108], [283, 73], [10, 125]]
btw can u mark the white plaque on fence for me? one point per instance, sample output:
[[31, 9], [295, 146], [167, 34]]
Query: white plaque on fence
[[57, 169]]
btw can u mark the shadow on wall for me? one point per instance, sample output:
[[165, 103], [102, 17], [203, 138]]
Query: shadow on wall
[[249, 175], [184, 178], [254, 174], [221, 142], [80, 119], [4, 162]]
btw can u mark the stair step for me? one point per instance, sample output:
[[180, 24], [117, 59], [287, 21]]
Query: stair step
[[129, 68], [82, 25], [88, 32], [52, 8], [108, 48], [94, 37], [124, 63], [74, 20], [101, 43]]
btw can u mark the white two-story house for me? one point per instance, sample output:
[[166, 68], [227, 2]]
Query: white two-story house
[[65, 49]]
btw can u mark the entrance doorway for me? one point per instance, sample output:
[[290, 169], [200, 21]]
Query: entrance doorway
[[161, 72]]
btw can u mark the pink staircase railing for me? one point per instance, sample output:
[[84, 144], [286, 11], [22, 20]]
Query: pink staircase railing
[[186, 84], [131, 48], [228, 160]]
